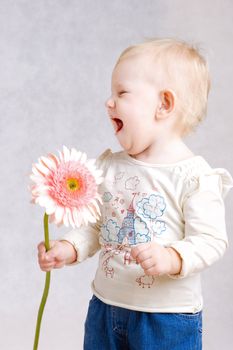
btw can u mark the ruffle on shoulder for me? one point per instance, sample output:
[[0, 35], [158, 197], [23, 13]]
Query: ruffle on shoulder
[[103, 161], [218, 181], [218, 178]]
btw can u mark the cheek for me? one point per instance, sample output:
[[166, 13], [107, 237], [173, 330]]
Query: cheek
[[125, 104]]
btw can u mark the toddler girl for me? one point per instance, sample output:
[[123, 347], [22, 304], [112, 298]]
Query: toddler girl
[[163, 213]]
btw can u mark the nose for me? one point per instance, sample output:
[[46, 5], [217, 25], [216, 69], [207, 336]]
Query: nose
[[110, 103]]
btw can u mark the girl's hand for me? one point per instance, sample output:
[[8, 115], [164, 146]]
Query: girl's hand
[[157, 260], [59, 254]]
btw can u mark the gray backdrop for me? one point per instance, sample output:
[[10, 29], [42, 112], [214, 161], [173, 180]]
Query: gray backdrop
[[56, 58]]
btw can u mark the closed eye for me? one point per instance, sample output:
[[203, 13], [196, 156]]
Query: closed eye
[[122, 92]]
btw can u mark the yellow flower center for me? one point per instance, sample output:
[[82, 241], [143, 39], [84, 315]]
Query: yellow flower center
[[73, 184]]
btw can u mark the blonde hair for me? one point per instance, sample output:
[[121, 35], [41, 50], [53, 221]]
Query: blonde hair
[[187, 74]]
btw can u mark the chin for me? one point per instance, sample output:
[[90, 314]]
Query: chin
[[135, 152], [129, 148], [131, 152]]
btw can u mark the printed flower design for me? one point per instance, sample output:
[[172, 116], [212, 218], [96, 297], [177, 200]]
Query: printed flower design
[[158, 227], [107, 196], [67, 187], [132, 183], [151, 207], [110, 231], [141, 230]]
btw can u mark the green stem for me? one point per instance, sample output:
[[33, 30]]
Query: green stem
[[46, 287]]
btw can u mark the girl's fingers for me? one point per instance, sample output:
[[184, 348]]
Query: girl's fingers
[[41, 248], [147, 263], [143, 256], [47, 266], [49, 255], [45, 258], [140, 250], [46, 269], [50, 259], [152, 271], [58, 265], [52, 265]]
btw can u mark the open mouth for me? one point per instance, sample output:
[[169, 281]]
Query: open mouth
[[118, 124]]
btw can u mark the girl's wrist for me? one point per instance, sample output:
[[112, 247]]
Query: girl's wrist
[[175, 261], [70, 252]]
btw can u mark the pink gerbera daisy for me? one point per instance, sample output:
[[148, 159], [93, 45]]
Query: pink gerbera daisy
[[67, 187]]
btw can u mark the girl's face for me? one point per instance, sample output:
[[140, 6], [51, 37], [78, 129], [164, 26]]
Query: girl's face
[[133, 104]]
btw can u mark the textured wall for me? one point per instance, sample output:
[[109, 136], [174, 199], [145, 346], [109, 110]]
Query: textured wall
[[56, 58]]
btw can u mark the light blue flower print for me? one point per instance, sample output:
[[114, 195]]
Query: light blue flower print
[[142, 232], [151, 207], [158, 227], [140, 238], [110, 231]]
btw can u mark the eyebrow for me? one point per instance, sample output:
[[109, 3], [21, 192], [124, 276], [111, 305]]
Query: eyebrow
[[120, 85]]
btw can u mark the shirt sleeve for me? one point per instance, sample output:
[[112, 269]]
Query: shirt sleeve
[[205, 239], [85, 240]]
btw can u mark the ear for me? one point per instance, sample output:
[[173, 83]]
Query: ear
[[166, 105]]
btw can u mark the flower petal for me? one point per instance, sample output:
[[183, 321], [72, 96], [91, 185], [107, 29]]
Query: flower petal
[[43, 170], [54, 159], [70, 218], [65, 218], [76, 217], [48, 162], [66, 154], [83, 158], [59, 213]]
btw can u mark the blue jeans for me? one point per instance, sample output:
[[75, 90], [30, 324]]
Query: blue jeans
[[113, 328]]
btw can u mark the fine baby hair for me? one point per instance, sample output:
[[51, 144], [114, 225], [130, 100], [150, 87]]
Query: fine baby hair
[[187, 75]]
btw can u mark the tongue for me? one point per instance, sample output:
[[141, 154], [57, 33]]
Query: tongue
[[119, 124]]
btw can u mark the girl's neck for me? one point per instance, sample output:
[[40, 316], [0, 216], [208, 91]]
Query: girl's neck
[[164, 151]]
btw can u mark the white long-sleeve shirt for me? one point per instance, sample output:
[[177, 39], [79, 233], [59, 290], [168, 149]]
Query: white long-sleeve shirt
[[177, 205]]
